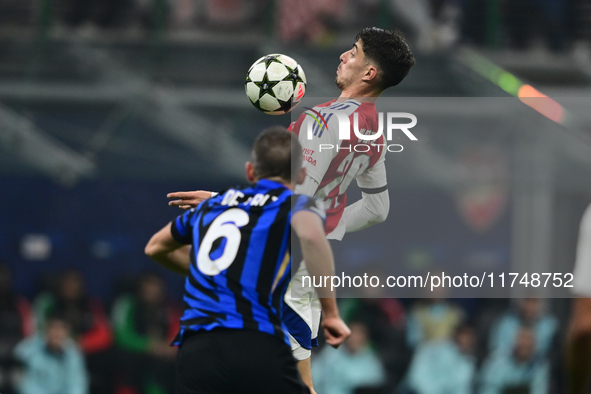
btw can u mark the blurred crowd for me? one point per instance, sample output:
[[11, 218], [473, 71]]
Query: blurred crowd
[[431, 24], [437, 346], [67, 341]]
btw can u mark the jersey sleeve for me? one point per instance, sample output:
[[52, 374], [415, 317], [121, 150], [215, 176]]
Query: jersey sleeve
[[312, 204], [318, 140], [181, 228], [308, 187]]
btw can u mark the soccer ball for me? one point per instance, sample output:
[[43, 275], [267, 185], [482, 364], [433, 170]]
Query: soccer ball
[[275, 84]]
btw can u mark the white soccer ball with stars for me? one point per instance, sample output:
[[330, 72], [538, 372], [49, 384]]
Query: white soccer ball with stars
[[275, 84]]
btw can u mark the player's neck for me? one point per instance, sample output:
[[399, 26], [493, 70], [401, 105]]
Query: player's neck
[[278, 179], [362, 99], [359, 95]]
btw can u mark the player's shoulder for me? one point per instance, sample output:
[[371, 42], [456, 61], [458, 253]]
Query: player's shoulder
[[367, 109], [348, 106]]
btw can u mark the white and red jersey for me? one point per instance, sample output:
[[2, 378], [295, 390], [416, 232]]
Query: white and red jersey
[[334, 168]]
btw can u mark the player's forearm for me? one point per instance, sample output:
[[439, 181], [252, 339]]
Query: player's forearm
[[371, 209], [329, 307], [178, 261], [319, 261], [316, 250], [163, 249]]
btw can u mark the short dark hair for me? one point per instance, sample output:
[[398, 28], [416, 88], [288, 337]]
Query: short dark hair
[[390, 53], [276, 153]]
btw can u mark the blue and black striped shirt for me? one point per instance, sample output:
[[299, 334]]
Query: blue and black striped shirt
[[241, 258]]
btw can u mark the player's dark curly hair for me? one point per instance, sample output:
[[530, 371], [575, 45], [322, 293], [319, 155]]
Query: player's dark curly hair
[[276, 153], [390, 53]]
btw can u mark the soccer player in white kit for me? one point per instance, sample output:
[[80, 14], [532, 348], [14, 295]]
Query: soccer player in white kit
[[379, 59]]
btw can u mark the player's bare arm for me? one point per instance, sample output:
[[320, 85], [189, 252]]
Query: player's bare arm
[[305, 370], [190, 199], [172, 255], [319, 260]]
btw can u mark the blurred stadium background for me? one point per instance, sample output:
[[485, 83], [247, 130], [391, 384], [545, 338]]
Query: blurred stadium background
[[107, 105]]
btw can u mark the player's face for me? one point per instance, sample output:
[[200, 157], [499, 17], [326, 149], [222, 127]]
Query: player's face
[[352, 66]]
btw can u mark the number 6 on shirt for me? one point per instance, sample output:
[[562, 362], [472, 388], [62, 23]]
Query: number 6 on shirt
[[227, 226]]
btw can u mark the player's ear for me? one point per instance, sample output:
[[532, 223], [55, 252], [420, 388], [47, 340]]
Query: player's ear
[[250, 175], [301, 176], [371, 73]]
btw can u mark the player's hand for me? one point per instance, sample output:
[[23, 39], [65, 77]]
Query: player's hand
[[188, 200], [335, 331]]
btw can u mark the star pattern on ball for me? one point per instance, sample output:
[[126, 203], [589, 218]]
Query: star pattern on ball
[[266, 86], [293, 77]]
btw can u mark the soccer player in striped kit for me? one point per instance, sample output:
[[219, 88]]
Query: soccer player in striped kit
[[232, 337]]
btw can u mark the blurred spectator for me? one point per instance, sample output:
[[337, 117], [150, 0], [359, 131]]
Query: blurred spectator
[[184, 14], [145, 324], [434, 24], [518, 371], [488, 311], [529, 312], [16, 322], [308, 21], [385, 320], [351, 367], [433, 319], [229, 13], [53, 364], [88, 323], [444, 367]]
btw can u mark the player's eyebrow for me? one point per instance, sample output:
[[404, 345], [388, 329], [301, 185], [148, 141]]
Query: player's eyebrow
[[354, 47]]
